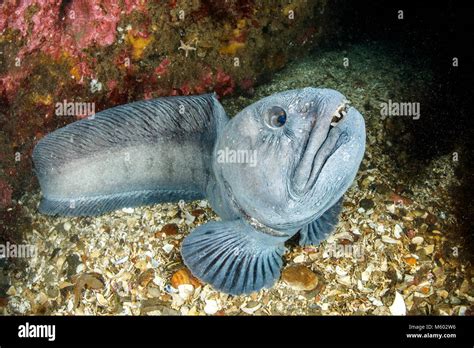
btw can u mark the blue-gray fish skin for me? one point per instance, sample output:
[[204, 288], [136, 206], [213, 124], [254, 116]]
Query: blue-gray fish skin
[[292, 157], [140, 153]]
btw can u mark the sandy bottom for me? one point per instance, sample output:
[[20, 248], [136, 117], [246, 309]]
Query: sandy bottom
[[395, 249]]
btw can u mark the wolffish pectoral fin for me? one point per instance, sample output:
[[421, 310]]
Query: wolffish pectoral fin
[[318, 230], [233, 257]]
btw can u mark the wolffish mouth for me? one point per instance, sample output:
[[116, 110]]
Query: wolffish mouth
[[316, 152], [340, 113]]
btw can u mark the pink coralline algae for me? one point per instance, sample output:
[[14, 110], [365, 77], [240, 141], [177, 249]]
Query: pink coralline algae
[[224, 84], [163, 67], [5, 194], [56, 27], [61, 31]]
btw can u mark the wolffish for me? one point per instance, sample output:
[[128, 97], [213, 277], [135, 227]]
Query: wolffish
[[303, 150]]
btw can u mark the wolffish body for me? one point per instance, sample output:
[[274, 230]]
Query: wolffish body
[[305, 148]]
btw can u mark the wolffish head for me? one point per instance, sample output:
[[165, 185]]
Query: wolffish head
[[284, 160]]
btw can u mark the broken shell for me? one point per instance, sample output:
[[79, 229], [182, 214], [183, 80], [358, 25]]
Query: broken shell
[[340, 272], [387, 239], [299, 259], [101, 300], [167, 248], [397, 231], [67, 226], [398, 307], [250, 310], [417, 240], [185, 291], [211, 307]]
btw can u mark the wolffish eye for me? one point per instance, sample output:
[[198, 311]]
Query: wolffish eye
[[275, 117]]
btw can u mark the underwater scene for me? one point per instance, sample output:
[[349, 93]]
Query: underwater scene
[[234, 158]]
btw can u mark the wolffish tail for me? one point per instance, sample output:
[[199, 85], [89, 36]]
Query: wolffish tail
[[233, 257]]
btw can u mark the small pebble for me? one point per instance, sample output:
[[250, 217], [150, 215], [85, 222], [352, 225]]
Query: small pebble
[[417, 240], [197, 212], [366, 204], [170, 229], [299, 277], [429, 249], [184, 276], [67, 226]]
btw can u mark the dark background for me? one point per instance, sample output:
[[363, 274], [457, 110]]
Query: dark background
[[431, 33]]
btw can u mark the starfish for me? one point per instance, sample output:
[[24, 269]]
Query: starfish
[[186, 48]]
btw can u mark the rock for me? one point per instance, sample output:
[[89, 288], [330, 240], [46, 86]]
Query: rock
[[299, 277], [198, 212], [400, 200], [74, 238], [410, 260], [73, 261], [382, 189], [3, 302], [431, 219], [52, 292], [410, 233], [11, 291], [366, 204], [442, 293], [169, 230], [184, 276], [153, 291]]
